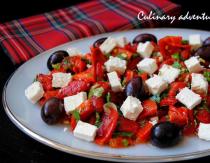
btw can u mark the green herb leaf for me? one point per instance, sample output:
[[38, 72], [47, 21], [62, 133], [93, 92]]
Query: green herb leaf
[[35, 79], [185, 42], [176, 65], [135, 55], [108, 55], [125, 142], [176, 56], [56, 66], [140, 72], [156, 98], [98, 120], [76, 115], [122, 56], [206, 74], [124, 134], [96, 92], [108, 97]]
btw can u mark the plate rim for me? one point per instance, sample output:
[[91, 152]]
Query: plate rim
[[85, 153]]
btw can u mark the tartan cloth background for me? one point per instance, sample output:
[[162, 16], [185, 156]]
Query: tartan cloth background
[[24, 38]]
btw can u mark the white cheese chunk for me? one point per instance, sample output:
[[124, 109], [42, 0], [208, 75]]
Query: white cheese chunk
[[199, 83], [204, 131], [188, 98], [60, 79], [168, 73], [147, 65], [73, 52], [115, 64], [193, 65], [85, 131], [114, 81], [131, 108], [121, 41], [72, 102], [108, 45], [34, 92], [156, 84], [145, 49], [195, 41]]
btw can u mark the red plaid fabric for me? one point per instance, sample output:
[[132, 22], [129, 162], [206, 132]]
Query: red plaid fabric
[[24, 38]]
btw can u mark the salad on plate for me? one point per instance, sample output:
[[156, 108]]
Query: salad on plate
[[125, 93]]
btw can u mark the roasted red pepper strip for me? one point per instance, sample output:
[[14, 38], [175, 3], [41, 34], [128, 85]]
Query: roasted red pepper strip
[[98, 103], [126, 125], [86, 76], [109, 123], [73, 123], [86, 109], [150, 109], [48, 95], [73, 88], [203, 116], [168, 101], [46, 81], [175, 88], [144, 133], [190, 128], [178, 115], [133, 62]]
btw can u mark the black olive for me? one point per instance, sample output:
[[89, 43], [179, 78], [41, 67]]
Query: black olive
[[204, 53], [52, 111], [206, 41], [55, 58], [136, 88], [166, 134], [98, 42], [144, 37]]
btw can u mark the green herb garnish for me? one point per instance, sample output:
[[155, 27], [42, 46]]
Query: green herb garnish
[[206, 74], [108, 97], [140, 72], [96, 92], [122, 56], [125, 142], [185, 42], [108, 55], [98, 120], [176, 65], [135, 55], [124, 134], [176, 56], [56, 66], [76, 115]]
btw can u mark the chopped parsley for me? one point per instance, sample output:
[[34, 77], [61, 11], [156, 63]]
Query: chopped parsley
[[125, 142], [177, 65], [108, 97], [96, 92], [184, 42], [124, 134], [76, 115], [176, 56], [206, 74], [98, 120], [122, 56], [56, 66], [135, 55]]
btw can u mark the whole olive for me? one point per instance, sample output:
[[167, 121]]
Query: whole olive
[[166, 134], [55, 58], [206, 41], [52, 111], [204, 53], [144, 37], [136, 88], [98, 42]]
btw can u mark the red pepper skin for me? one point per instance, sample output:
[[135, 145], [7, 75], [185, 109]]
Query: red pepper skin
[[178, 116], [109, 124], [46, 81], [168, 101], [86, 109], [126, 125], [150, 109], [98, 103], [73, 123], [190, 128], [47, 96], [203, 116], [144, 133], [175, 88], [73, 88]]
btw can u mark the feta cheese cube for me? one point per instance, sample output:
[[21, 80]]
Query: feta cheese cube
[[73, 52], [34, 92], [193, 65], [121, 41], [115, 64], [131, 108], [72, 102], [85, 131], [114, 81], [147, 65], [204, 131], [145, 49], [188, 98], [108, 45], [195, 41], [168, 73], [199, 83], [156, 84], [60, 79]]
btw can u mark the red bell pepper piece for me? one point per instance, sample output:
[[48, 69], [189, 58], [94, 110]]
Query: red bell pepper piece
[[126, 125], [175, 88], [46, 81], [86, 75], [73, 88], [86, 109], [150, 109], [144, 133], [48, 95], [108, 125], [133, 62], [168, 101], [73, 123], [190, 128], [203, 116], [98, 103], [178, 115], [120, 142]]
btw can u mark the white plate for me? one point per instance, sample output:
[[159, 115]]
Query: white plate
[[27, 116]]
